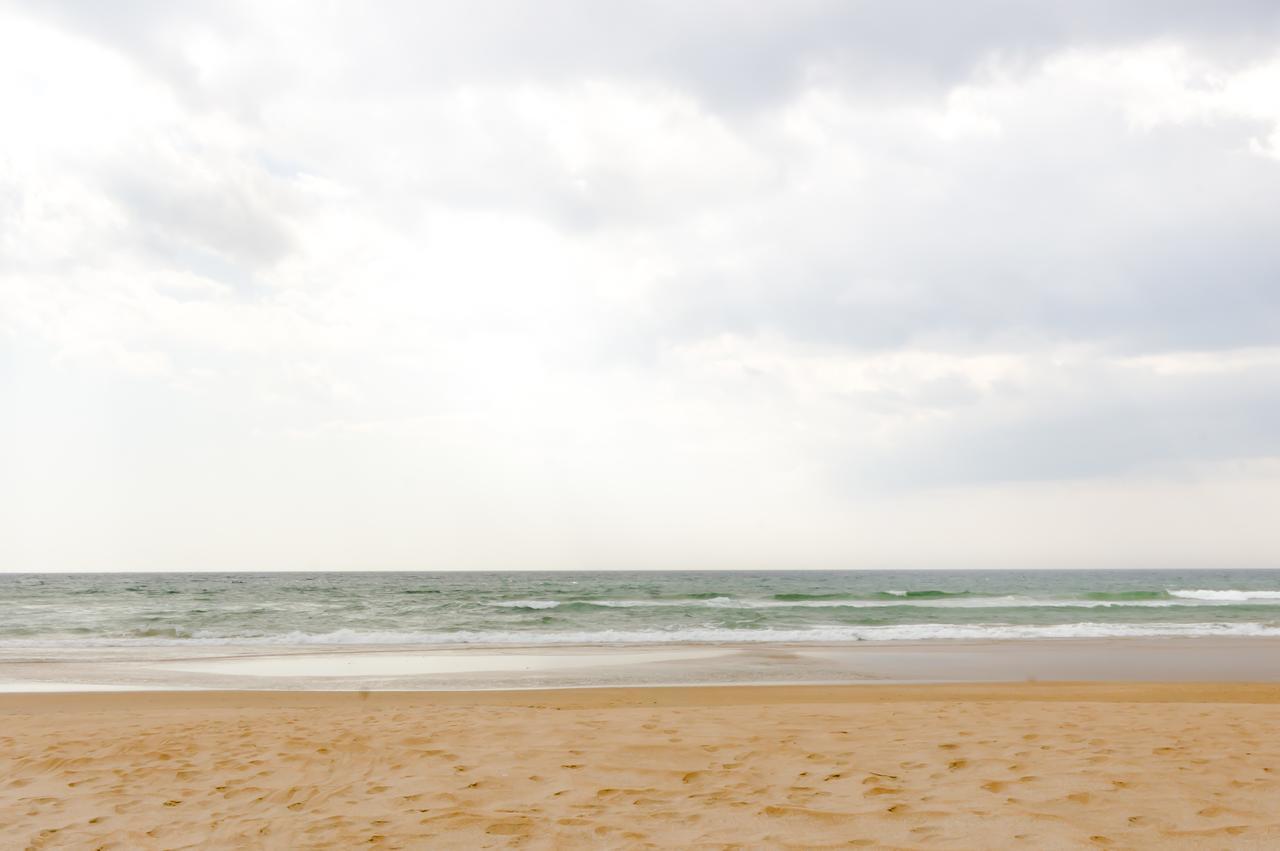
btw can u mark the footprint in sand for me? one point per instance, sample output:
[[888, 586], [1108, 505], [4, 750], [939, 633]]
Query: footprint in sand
[[508, 828]]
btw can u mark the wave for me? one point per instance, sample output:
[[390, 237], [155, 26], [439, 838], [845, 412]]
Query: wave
[[795, 598], [958, 602], [696, 635], [1227, 596], [974, 602], [163, 632], [949, 601], [1127, 595], [581, 605], [927, 594]]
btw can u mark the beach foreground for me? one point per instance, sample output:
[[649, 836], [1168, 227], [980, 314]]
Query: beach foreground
[[1037, 765]]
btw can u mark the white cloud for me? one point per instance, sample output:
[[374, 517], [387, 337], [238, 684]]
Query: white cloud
[[290, 286]]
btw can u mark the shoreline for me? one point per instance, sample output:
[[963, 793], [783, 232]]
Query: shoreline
[[638, 696], [416, 668]]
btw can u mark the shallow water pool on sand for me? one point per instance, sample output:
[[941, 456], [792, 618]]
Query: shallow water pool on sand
[[392, 664], [453, 668]]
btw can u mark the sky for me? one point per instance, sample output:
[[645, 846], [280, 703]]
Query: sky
[[581, 285]]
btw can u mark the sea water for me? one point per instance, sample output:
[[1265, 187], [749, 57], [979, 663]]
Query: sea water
[[612, 608]]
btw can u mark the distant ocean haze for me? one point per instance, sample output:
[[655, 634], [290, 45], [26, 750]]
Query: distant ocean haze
[[611, 608]]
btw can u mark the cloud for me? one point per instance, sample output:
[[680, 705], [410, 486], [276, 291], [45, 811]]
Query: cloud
[[604, 275], [205, 207], [727, 53], [1035, 204]]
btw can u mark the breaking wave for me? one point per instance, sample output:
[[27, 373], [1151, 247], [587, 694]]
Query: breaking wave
[[694, 635]]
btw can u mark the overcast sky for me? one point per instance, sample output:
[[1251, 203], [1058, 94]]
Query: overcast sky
[[570, 284]]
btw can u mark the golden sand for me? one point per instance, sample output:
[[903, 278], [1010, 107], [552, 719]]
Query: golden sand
[[1026, 765]]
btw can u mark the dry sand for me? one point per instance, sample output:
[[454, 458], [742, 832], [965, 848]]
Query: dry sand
[[952, 766]]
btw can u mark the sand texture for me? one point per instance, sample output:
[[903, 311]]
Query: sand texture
[[1031, 766]]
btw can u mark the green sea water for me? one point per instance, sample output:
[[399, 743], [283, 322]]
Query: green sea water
[[628, 608]]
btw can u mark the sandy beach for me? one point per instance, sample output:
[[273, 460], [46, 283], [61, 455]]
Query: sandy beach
[[1035, 765]]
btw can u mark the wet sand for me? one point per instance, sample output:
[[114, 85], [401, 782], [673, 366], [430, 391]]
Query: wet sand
[[1043, 765], [416, 668]]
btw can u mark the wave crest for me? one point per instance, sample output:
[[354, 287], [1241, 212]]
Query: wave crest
[[694, 635], [1229, 595]]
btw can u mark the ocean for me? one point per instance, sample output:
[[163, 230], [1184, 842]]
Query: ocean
[[616, 608]]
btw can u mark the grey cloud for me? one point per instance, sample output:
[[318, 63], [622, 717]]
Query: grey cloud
[[1081, 230], [217, 223], [729, 54], [1070, 227], [151, 33], [733, 54], [1094, 423]]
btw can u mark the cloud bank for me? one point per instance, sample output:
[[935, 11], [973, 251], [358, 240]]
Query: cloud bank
[[566, 285]]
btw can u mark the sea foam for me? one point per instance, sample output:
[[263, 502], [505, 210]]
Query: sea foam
[[692, 635], [1226, 596]]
